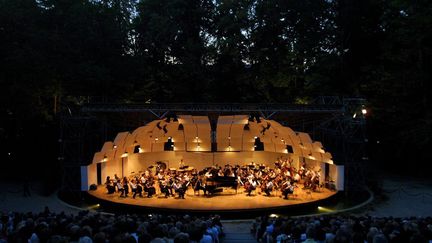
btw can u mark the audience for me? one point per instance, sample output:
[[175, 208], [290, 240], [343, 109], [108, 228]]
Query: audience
[[89, 227], [336, 228], [86, 227]]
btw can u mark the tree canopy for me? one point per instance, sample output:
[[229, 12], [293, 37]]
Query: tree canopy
[[221, 51]]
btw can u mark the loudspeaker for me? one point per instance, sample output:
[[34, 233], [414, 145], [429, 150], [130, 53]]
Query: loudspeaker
[[137, 149], [289, 149], [93, 187]]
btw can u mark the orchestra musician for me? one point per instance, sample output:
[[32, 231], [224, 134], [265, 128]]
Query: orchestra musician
[[200, 185], [287, 189], [249, 186], [149, 188], [125, 184], [109, 185], [136, 188], [180, 187], [165, 188], [268, 187], [120, 188], [282, 177]]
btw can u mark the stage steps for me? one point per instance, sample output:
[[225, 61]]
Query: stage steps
[[237, 231]]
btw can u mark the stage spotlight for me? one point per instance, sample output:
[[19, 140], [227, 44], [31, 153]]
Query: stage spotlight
[[364, 111]]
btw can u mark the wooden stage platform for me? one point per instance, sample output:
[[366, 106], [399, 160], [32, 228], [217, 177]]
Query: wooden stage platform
[[223, 201]]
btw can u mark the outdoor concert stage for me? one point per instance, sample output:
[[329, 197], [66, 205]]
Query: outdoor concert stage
[[227, 200], [189, 146]]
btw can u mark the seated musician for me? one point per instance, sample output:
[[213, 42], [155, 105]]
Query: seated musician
[[180, 188], [208, 173], [165, 188], [315, 181], [268, 187], [297, 177], [136, 188], [149, 188], [287, 189], [116, 178], [120, 188], [125, 183], [200, 185], [109, 185], [249, 186]]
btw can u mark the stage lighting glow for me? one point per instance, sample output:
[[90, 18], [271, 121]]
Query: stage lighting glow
[[115, 146], [364, 111], [95, 206], [274, 215], [156, 139], [255, 137], [140, 150], [325, 210], [355, 115]]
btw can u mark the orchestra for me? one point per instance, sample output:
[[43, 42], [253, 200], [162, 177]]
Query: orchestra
[[283, 177]]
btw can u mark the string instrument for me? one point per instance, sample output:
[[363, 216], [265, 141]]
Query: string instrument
[[248, 186], [263, 185]]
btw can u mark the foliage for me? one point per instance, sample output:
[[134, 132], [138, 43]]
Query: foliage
[[221, 51]]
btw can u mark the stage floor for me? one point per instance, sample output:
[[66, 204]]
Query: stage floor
[[224, 201]]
